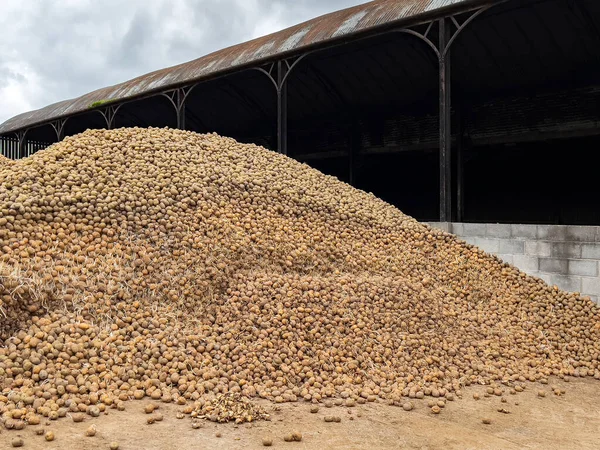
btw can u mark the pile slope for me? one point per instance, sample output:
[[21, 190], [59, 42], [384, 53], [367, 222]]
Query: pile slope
[[164, 263]]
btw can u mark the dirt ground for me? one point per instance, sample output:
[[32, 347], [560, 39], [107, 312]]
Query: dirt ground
[[570, 421]]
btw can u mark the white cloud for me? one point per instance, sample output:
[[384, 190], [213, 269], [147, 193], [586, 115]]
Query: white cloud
[[19, 88]]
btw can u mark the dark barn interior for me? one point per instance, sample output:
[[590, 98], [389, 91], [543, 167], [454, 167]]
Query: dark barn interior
[[522, 82]]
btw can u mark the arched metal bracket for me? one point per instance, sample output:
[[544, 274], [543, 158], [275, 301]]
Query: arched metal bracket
[[178, 98], [422, 36], [289, 67], [109, 114], [59, 128], [442, 47], [269, 73], [279, 72], [461, 26]]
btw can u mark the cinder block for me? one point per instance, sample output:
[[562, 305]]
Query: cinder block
[[487, 245], [566, 283], [538, 248], [590, 251], [528, 264], [498, 230], [512, 247], [458, 229], [444, 226], [595, 299], [565, 250], [552, 232], [523, 231], [583, 267], [506, 258], [469, 239], [591, 286], [581, 234], [474, 229], [554, 265], [545, 276]]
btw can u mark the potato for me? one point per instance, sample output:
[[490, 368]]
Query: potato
[[192, 269]]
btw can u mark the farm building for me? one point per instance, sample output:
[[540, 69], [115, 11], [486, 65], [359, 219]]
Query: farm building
[[479, 116]]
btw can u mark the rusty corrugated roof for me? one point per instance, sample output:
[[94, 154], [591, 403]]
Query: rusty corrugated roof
[[315, 32]]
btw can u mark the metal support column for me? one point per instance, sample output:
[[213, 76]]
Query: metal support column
[[449, 30], [284, 69], [178, 99], [181, 97], [22, 143], [354, 143], [282, 119], [460, 143], [445, 124]]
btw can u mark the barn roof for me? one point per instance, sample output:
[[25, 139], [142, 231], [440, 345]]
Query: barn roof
[[319, 32]]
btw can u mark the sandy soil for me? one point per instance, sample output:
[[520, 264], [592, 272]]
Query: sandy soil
[[571, 421]]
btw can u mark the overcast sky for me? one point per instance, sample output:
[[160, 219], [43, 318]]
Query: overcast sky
[[52, 50]]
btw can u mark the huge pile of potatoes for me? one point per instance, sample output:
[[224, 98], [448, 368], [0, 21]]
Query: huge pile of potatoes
[[166, 264]]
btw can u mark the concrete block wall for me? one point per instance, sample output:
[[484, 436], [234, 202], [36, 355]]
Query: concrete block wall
[[562, 255]]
